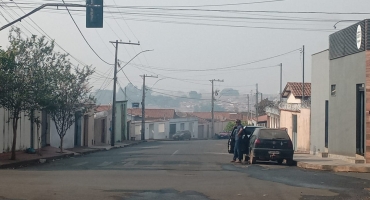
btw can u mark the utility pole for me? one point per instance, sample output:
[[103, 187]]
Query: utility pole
[[112, 136], [303, 75], [213, 99], [281, 80], [248, 107], [256, 103], [143, 107]]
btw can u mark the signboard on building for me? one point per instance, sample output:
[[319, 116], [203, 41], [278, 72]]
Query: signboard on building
[[135, 105]]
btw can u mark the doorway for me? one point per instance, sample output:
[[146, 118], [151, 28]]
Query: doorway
[[44, 128], [86, 130], [326, 124], [294, 133], [151, 131], [78, 129], [360, 119], [103, 129], [172, 129]]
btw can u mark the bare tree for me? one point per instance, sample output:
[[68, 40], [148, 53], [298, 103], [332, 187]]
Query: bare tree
[[71, 94]]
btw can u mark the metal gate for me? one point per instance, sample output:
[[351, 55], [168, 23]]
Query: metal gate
[[294, 135]]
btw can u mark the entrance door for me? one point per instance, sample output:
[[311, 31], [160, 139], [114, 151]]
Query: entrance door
[[326, 124], [151, 131], [86, 132], [78, 129], [103, 129], [44, 128], [360, 120], [294, 123], [172, 129]]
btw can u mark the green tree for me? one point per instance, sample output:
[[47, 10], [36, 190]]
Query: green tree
[[16, 80]]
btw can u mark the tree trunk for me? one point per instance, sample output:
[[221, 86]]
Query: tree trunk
[[61, 144], [15, 125]]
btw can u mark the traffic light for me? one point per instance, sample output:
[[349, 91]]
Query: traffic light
[[94, 13]]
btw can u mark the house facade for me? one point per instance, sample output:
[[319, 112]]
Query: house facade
[[344, 109], [160, 123], [295, 114]]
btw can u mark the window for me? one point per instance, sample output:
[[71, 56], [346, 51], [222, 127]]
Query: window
[[182, 126], [161, 128], [333, 90]]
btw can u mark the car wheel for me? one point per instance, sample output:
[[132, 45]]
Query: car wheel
[[252, 159], [280, 161], [289, 161]]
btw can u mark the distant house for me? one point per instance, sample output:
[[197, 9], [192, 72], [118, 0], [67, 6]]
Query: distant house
[[295, 114], [160, 123]]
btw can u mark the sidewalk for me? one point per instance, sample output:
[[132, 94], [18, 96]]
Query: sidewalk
[[51, 153], [308, 161]]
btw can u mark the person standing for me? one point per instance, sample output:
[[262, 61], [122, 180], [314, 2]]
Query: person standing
[[238, 156]]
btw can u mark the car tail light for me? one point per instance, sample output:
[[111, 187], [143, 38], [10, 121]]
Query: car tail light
[[290, 144], [257, 142]]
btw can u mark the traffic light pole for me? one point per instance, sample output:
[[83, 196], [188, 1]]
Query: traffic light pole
[[113, 132], [43, 6]]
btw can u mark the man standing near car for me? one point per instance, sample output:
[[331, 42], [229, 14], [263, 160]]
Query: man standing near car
[[238, 134]]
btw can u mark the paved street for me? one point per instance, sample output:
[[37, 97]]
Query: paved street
[[164, 170]]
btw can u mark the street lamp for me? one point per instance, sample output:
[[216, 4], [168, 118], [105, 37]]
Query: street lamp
[[133, 59]]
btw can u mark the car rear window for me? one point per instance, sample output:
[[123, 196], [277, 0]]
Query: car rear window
[[249, 130], [273, 134]]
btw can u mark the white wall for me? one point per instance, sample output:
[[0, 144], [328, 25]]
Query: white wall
[[68, 141], [23, 132]]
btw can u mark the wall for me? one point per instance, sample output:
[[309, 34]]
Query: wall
[[186, 122], [345, 72], [68, 140], [292, 99], [303, 127], [23, 132], [320, 92]]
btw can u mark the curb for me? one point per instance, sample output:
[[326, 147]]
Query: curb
[[334, 168], [26, 163], [34, 161]]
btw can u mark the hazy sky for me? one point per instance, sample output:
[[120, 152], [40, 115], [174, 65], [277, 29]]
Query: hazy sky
[[194, 35]]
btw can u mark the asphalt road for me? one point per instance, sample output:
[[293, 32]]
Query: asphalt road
[[198, 170]]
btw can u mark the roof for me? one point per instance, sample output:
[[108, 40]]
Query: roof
[[103, 108], [153, 113], [295, 88]]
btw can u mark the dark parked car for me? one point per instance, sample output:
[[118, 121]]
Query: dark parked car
[[223, 135], [270, 144], [247, 132], [182, 135]]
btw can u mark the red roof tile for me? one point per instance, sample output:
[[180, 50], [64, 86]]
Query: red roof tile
[[296, 89], [103, 108]]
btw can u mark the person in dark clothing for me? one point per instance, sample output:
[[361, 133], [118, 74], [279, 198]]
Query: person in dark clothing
[[238, 134]]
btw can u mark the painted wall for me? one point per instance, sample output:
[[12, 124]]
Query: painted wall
[[345, 72], [68, 140], [121, 121], [23, 132], [320, 92], [303, 127], [292, 99]]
